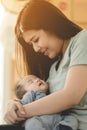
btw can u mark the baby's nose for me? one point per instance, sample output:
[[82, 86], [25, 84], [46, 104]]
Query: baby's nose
[[37, 80]]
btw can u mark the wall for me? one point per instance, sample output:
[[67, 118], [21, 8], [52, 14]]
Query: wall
[[76, 10]]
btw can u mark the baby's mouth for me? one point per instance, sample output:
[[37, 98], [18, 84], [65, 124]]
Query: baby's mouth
[[40, 84]]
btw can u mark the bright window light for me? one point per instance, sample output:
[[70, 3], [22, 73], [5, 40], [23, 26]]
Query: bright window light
[[1, 80], [2, 13]]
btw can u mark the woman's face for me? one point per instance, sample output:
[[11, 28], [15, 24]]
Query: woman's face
[[44, 42]]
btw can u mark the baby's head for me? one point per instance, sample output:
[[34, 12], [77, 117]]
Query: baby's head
[[28, 83]]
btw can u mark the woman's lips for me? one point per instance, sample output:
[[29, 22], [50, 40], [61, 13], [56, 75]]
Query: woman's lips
[[46, 52]]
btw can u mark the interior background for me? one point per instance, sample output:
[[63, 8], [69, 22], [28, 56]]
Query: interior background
[[76, 10]]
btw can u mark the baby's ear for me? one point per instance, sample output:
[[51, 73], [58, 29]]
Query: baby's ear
[[48, 92]]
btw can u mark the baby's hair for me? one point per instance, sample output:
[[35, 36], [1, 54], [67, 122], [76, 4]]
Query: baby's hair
[[19, 91]]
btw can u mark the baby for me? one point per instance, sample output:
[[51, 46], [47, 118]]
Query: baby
[[32, 88], [31, 84]]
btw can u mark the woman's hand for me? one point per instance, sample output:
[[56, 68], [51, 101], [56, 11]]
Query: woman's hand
[[11, 115]]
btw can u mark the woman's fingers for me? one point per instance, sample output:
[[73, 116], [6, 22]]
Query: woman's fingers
[[11, 115], [11, 120], [20, 108], [20, 111]]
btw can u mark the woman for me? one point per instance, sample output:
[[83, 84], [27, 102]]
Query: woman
[[57, 43]]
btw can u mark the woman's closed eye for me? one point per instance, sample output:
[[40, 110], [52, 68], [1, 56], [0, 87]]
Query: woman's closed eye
[[33, 41], [36, 40]]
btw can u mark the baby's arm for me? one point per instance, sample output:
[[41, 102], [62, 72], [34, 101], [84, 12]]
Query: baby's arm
[[32, 96], [28, 97]]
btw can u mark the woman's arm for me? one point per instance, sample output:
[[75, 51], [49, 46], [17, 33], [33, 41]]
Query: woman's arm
[[74, 89]]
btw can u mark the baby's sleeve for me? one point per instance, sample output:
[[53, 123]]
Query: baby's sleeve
[[28, 97]]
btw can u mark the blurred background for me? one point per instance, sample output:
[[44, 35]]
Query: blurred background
[[76, 10]]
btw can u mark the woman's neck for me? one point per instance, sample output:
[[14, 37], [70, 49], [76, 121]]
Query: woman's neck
[[65, 45]]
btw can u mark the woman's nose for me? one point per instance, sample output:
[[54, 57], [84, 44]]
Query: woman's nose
[[36, 48]]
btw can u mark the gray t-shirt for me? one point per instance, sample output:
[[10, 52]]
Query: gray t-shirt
[[76, 54]]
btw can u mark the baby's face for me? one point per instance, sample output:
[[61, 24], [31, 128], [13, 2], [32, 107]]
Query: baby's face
[[32, 82]]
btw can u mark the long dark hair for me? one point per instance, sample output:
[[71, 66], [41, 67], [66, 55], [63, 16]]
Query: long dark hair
[[40, 14]]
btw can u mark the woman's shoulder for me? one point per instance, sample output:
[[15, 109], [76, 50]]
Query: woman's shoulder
[[82, 33], [79, 38], [79, 48]]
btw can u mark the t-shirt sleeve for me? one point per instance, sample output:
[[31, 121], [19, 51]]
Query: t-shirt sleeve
[[79, 50]]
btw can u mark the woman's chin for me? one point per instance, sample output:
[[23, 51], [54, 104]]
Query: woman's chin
[[51, 56]]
